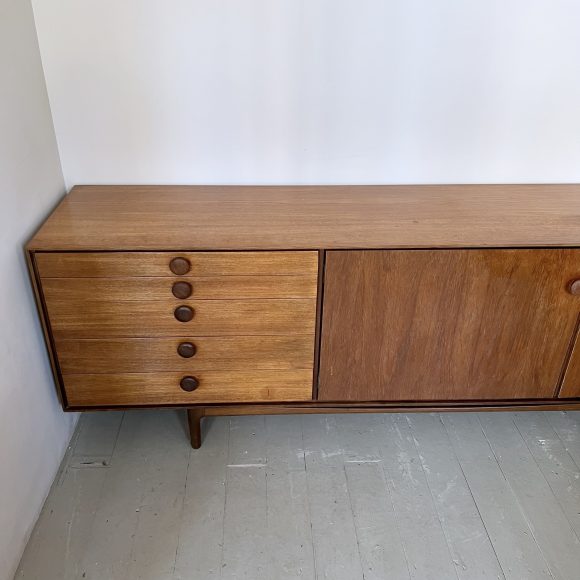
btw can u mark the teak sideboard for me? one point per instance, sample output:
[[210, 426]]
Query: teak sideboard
[[235, 300]]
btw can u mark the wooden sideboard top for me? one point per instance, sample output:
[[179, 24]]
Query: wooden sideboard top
[[311, 217]]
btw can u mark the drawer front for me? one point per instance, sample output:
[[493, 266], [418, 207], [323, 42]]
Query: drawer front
[[77, 319], [128, 326], [153, 264], [145, 355], [164, 388], [211, 287]]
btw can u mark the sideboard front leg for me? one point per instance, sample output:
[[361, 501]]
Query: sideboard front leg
[[194, 417]]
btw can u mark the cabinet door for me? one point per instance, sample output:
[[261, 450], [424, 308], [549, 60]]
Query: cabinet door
[[420, 325]]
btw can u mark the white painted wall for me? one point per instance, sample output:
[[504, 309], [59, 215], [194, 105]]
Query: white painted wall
[[34, 431], [289, 91]]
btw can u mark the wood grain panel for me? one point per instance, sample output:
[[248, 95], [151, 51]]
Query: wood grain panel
[[94, 319], [150, 264], [163, 388], [211, 287], [134, 355], [311, 217], [446, 324], [571, 380]]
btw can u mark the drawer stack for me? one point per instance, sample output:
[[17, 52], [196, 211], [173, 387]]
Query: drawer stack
[[163, 328]]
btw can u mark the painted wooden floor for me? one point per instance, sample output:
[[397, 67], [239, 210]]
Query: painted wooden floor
[[340, 497]]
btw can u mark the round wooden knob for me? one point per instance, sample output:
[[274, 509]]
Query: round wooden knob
[[189, 384], [574, 287], [186, 349], [180, 266], [182, 290], [184, 313]]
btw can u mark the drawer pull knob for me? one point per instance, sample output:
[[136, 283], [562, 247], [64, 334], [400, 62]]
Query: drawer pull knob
[[180, 266], [189, 384], [186, 349], [184, 313], [182, 290], [574, 287]]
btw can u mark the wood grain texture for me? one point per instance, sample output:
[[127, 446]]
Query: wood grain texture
[[163, 388], [310, 217], [571, 379], [77, 319], [446, 325], [209, 288], [135, 355], [151, 264], [45, 325]]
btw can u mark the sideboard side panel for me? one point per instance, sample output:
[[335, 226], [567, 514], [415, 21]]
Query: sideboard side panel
[[45, 324]]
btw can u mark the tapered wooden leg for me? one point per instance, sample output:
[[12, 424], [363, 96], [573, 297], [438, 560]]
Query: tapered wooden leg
[[194, 417]]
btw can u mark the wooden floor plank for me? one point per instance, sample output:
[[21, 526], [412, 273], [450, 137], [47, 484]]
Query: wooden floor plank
[[341, 497], [289, 538], [145, 437], [63, 529], [567, 426], [245, 534], [468, 540], [361, 436], [97, 433], [551, 528], [247, 444], [556, 464], [381, 549], [517, 551], [199, 554], [163, 489], [423, 537], [335, 542]]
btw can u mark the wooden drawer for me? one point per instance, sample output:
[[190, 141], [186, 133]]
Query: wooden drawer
[[93, 319], [211, 287], [152, 264], [145, 355], [111, 390]]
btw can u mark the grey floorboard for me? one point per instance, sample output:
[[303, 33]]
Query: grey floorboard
[[469, 542], [289, 542], [567, 426], [199, 553], [380, 546], [421, 530], [551, 528], [245, 533], [454, 496], [63, 529], [335, 542], [513, 541], [557, 465]]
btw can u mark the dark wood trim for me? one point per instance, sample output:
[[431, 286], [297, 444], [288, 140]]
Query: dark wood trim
[[318, 327], [46, 329], [394, 408], [369, 407], [194, 417]]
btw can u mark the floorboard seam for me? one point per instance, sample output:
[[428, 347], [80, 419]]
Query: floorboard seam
[[433, 502], [472, 496], [564, 443], [517, 499], [547, 482]]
